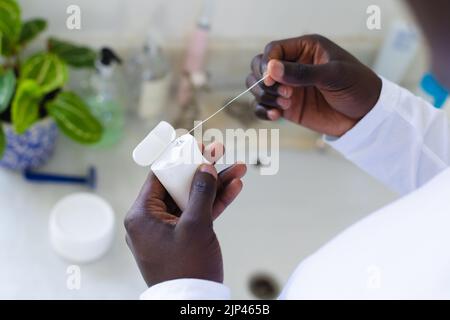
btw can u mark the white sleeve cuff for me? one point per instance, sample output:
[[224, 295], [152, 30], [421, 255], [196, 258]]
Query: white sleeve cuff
[[389, 96], [187, 289]]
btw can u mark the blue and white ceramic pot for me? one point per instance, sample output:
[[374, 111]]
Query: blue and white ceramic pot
[[30, 149]]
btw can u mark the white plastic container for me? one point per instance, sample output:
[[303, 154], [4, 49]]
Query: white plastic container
[[155, 79], [81, 227], [173, 161]]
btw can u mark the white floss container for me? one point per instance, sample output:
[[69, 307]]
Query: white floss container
[[81, 227], [174, 162]]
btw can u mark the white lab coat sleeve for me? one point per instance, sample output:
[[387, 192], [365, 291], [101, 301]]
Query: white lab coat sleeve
[[187, 289], [399, 252], [403, 141]]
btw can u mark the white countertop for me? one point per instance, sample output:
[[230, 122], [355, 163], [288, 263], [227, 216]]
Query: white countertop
[[28, 266], [254, 233]]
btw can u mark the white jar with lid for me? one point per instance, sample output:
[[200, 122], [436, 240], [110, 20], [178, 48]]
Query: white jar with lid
[[81, 227]]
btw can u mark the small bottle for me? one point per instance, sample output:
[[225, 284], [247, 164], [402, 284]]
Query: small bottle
[[398, 52], [155, 79], [104, 99], [432, 91]]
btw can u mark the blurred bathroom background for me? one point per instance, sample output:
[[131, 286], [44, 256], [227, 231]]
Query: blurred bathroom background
[[316, 193], [242, 26]]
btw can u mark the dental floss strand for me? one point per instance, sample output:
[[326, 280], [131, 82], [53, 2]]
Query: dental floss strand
[[176, 177], [229, 103], [218, 111]]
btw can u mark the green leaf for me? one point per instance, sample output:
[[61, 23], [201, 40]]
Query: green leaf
[[31, 29], [25, 106], [73, 117], [2, 141], [10, 19], [73, 55], [7, 86], [6, 46], [46, 69]]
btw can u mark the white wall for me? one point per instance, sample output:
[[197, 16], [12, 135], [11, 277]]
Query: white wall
[[125, 21], [240, 25]]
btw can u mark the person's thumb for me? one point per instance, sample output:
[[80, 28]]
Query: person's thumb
[[202, 196], [297, 74]]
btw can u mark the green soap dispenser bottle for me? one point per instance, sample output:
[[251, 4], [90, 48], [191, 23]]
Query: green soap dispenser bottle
[[104, 98]]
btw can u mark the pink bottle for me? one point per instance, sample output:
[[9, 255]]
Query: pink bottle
[[193, 68]]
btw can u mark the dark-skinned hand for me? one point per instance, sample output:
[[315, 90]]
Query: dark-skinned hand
[[169, 244], [313, 82]]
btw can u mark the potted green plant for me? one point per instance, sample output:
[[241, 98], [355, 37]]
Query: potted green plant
[[34, 105]]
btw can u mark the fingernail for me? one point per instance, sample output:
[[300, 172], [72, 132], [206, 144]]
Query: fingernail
[[207, 168], [276, 69], [284, 103], [272, 114], [268, 81], [285, 92]]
